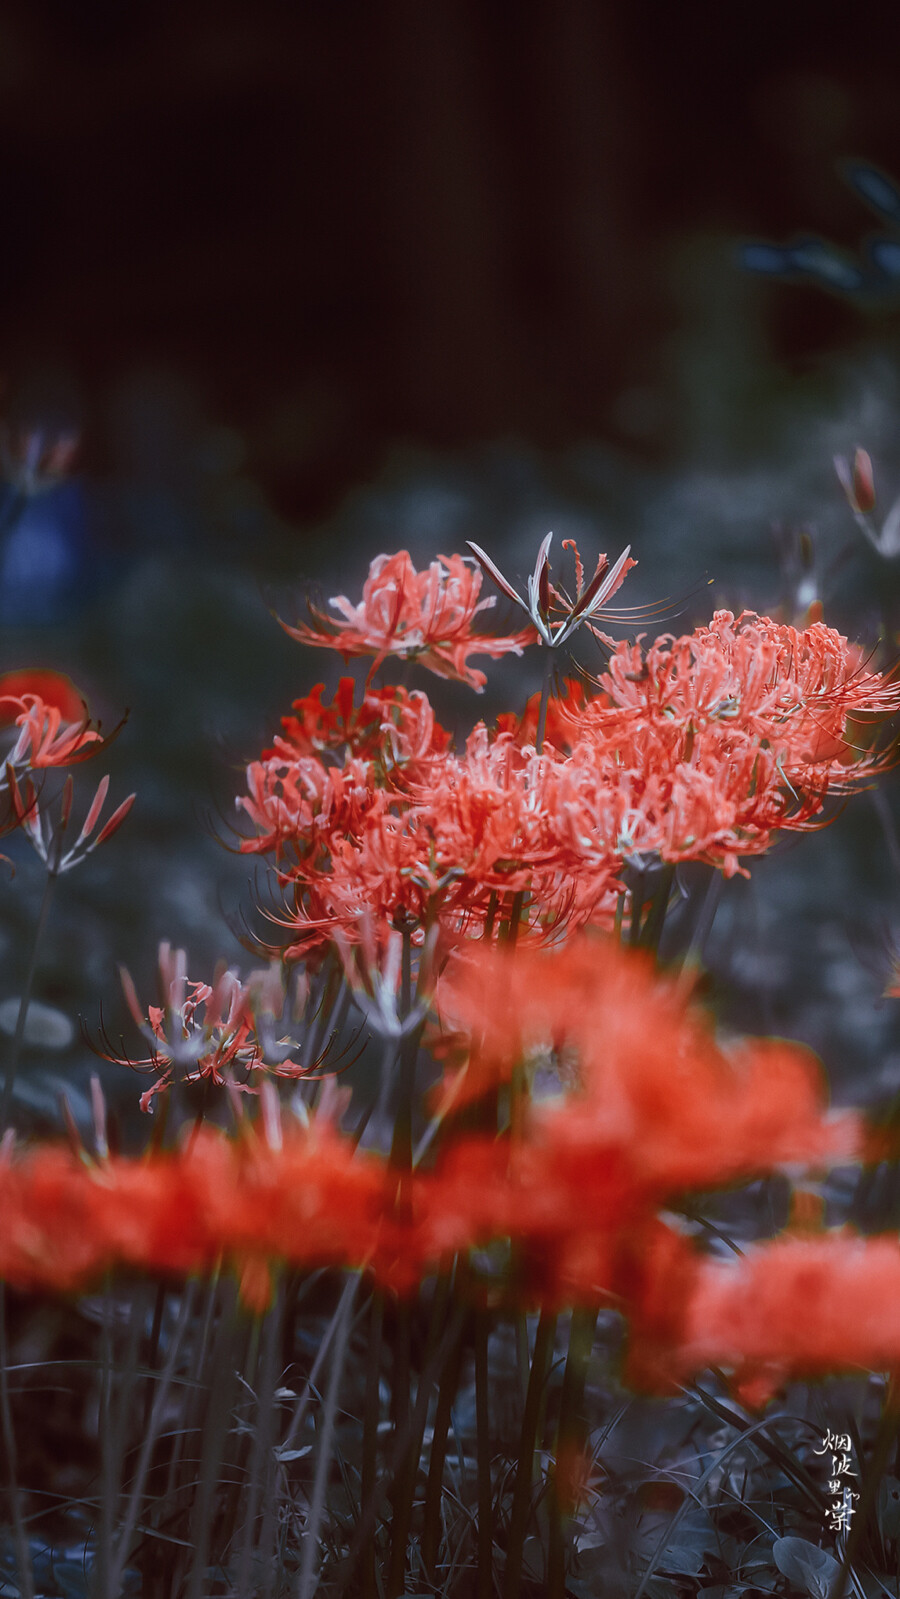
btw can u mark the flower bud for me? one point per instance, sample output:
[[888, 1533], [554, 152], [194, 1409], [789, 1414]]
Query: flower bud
[[863, 482], [857, 482]]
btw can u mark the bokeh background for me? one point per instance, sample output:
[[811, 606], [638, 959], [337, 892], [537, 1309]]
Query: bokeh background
[[316, 280]]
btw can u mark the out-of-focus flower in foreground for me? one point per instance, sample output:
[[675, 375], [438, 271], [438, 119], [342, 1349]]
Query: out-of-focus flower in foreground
[[651, 1082], [795, 1308], [418, 616]]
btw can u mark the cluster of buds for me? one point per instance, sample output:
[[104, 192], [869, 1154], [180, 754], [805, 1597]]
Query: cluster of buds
[[588, 604], [47, 836]]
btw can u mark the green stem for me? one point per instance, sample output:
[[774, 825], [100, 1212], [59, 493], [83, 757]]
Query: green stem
[[369, 1513], [545, 697], [570, 1438], [220, 1396], [260, 1466], [306, 1586], [12, 1062], [401, 1159], [431, 1533], [23, 1558], [521, 1505], [648, 911], [405, 1487], [485, 1556], [401, 1146], [651, 932], [371, 1417]]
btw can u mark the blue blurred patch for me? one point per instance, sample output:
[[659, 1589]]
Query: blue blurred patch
[[771, 259], [46, 570], [873, 186], [885, 253], [816, 259], [869, 279]]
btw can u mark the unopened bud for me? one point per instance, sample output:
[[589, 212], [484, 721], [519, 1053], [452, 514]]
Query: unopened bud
[[858, 482], [863, 482], [116, 820], [544, 589]]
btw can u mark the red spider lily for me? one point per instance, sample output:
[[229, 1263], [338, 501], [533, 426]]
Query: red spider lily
[[217, 1033], [589, 603], [435, 849], [704, 746], [291, 798], [794, 1308], [311, 1202], [417, 616], [389, 719], [701, 749], [53, 688], [652, 1083], [45, 737], [790, 690]]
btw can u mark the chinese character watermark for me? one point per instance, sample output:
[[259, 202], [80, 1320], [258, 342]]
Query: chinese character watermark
[[841, 1509]]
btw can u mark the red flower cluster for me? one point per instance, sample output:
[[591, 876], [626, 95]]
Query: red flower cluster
[[654, 1109], [699, 748], [702, 747]]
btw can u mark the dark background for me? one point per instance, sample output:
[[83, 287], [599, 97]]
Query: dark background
[[337, 225], [319, 280]]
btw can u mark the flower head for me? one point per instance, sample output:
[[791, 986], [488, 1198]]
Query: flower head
[[219, 1032], [543, 598], [417, 616]]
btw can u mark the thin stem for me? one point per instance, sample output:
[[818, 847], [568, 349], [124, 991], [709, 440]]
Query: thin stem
[[224, 1366], [368, 1518], [12, 1062], [405, 1486], [485, 1558], [159, 1306], [651, 932], [261, 1458], [401, 1147], [307, 1579], [400, 1395], [371, 1417], [433, 1494], [569, 1441], [545, 696], [151, 1435], [703, 923], [521, 1505], [23, 1558]]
